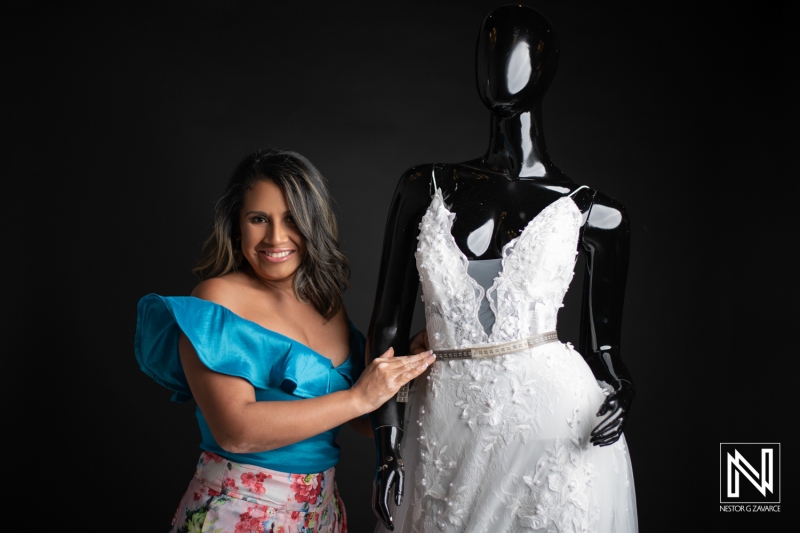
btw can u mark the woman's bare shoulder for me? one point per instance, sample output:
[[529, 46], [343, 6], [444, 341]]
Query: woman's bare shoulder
[[223, 290]]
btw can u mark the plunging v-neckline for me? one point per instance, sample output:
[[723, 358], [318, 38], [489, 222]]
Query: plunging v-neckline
[[510, 245], [507, 246]]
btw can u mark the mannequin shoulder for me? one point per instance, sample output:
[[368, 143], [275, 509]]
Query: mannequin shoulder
[[602, 199], [415, 179], [414, 189], [606, 213]]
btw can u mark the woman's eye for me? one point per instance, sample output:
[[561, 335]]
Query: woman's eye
[[258, 220], [290, 219]]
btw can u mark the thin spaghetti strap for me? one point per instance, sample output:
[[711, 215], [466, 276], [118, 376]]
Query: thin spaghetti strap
[[576, 190], [433, 179]]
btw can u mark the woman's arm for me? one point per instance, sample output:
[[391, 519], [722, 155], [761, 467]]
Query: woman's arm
[[240, 424]]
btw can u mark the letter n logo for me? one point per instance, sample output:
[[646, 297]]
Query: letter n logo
[[750, 472]]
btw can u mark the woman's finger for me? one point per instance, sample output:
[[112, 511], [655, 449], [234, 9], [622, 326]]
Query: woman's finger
[[389, 357], [410, 372], [414, 359], [393, 365]]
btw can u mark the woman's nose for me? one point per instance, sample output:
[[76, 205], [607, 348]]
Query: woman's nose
[[277, 233]]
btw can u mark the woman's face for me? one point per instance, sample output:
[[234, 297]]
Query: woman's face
[[271, 242]]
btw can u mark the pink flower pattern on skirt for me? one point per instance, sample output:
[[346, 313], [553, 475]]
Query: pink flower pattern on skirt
[[228, 497], [307, 488]]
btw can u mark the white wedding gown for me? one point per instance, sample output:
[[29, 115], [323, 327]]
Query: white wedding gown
[[502, 444]]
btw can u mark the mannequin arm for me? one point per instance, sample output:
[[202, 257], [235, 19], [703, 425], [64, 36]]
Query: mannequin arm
[[398, 282], [605, 242]]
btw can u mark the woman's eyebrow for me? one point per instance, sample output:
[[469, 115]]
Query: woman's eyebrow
[[287, 212]]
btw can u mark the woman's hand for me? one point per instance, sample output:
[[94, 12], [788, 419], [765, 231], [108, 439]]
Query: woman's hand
[[384, 376]]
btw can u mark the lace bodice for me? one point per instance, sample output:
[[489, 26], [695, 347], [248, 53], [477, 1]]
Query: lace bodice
[[536, 271]]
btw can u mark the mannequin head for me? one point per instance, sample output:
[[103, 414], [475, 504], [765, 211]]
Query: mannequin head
[[515, 60]]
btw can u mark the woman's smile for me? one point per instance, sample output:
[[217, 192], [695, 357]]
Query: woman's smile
[[276, 255]]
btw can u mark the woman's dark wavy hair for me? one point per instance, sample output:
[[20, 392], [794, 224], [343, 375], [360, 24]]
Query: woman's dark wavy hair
[[323, 274]]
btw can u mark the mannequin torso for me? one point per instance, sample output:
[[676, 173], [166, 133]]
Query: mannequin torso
[[494, 197]]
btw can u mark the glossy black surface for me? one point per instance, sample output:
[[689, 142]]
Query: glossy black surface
[[388, 480], [494, 197]]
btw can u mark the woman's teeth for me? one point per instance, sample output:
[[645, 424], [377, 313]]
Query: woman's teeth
[[278, 254]]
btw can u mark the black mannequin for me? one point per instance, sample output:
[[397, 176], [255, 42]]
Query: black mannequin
[[516, 59]]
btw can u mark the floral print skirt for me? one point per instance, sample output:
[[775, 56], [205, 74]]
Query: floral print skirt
[[228, 497]]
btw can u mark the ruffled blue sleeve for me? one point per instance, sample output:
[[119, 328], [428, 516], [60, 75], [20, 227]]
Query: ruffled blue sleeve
[[229, 344]]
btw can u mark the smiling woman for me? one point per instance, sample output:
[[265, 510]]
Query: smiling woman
[[306, 217], [264, 346]]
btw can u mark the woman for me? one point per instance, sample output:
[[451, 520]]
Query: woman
[[265, 347]]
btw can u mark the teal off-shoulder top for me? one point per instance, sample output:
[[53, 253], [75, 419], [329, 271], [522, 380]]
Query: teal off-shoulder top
[[278, 367]]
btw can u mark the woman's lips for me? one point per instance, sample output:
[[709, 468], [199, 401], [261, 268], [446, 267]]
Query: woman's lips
[[276, 256]]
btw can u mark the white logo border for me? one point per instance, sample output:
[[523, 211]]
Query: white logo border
[[780, 477]]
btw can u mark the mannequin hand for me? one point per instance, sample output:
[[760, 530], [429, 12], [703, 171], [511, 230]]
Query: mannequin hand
[[388, 481], [384, 376], [389, 474], [616, 406], [419, 343]]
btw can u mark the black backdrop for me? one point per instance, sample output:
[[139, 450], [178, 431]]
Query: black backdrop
[[122, 123]]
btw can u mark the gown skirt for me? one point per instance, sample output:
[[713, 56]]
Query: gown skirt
[[502, 445]]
